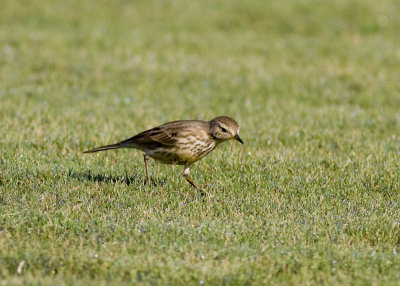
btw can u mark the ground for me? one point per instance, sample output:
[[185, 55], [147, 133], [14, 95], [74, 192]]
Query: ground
[[311, 198]]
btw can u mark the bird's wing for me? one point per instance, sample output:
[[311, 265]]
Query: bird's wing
[[164, 136], [152, 138]]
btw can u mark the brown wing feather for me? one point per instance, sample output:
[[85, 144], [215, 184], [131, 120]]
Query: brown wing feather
[[152, 139], [165, 135]]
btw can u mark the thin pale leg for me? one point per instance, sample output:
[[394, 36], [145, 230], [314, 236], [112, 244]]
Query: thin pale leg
[[185, 174], [146, 165]]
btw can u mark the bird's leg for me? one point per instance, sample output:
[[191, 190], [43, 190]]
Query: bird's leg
[[146, 165], [185, 174]]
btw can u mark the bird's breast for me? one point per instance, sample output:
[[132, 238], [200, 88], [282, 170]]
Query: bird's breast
[[187, 149]]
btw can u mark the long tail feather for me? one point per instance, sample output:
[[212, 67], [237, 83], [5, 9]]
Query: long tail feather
[[103, 148]]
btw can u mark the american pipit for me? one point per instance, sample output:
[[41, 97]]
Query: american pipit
[[180, 142]]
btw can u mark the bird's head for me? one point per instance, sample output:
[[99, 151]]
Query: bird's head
[[224, 128]]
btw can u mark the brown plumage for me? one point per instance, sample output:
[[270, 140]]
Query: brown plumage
[[180, 142]]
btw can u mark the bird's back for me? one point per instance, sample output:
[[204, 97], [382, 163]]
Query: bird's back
[[176, 142]]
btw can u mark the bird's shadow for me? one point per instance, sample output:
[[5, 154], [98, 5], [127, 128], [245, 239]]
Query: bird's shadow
[[136, 179]]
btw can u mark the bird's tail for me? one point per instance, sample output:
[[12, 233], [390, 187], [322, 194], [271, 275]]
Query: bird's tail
[[103, 148]]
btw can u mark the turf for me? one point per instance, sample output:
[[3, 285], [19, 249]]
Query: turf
[[311, 198]]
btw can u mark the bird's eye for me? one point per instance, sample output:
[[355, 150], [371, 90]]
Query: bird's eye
[[223, 129]]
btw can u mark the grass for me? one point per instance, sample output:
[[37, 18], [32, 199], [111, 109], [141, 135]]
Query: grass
[[311, 198]]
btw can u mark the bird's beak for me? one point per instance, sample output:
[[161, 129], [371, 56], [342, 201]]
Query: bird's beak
[[238, 138]]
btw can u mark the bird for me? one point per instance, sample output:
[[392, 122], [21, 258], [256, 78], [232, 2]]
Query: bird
[[181, 142]]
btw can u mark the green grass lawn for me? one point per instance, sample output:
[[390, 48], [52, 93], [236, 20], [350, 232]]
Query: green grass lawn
[[311, 198]]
